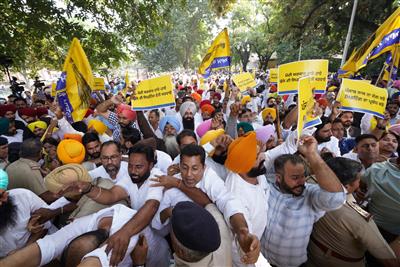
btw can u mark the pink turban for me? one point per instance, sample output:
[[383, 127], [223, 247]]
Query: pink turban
[[264, 133], [203, 127], [122, 107], [129, 114]]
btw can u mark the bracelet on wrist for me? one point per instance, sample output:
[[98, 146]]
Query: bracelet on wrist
[[88, 190]]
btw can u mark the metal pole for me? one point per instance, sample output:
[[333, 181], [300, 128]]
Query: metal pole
[[347, 43], [300, 51]]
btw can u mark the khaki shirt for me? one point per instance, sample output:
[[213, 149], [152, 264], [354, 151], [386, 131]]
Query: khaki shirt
[[25, 173], [349, 232]]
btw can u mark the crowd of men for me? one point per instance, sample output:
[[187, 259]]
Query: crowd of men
[[220, 179]]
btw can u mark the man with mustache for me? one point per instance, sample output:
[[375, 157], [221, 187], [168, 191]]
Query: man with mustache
[[294, 205], [112, 167], [188, 111], [325, 139], [92, 145], [143, 198], [247, 182], [16, 207], [170, 127], [199, 183]]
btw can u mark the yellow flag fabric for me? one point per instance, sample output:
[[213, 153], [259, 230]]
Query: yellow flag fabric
[[218, 55], [383, 40], [74, 86]]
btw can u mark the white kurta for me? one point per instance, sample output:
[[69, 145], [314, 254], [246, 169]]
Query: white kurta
[[101, 172], [16, 236]]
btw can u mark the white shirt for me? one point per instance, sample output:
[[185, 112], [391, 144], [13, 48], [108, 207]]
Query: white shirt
[[15, 236], [214, 187], [139, 196], [332, 146], [15, 138], [163, 161], [101, 172], [253, 198], [53, 245]]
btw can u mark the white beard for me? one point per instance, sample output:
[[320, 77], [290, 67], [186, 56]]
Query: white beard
[[171, 146]]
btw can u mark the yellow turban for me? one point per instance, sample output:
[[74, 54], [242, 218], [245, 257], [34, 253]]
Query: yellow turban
[[267, 111], [37, 124], [66, 174], [246, 99], [211, 135], [70, 151], [242, 153], [99, 126]]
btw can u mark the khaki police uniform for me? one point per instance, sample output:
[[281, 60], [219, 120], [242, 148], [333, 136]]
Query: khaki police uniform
[[342, 237], [25, 173]]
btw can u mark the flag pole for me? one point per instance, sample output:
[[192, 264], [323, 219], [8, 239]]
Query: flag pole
[[380, 75], [347, 43]]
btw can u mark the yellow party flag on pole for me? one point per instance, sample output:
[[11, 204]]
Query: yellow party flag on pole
[[218, 55], [75, 84]]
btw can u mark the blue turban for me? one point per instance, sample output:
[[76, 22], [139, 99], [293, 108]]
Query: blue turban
[[172, 120], [3, 180], [4, 124]]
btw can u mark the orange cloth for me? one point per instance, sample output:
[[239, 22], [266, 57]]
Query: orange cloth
[[207, 108], [242, 153], [196, 97], [76, 137]]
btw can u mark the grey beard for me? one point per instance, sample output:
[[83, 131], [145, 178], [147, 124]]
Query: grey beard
[[171, 146]]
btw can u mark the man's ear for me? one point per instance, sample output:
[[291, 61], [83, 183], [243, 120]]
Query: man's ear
[[355, 149], [278, 177]]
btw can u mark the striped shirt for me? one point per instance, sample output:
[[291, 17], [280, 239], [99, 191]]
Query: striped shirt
[[290, 222]]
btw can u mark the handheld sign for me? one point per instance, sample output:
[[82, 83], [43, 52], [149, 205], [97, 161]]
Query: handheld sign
[[244, 81], [154, 93], [306, 117], [357, 95], [290, 73], [273, 75], [98, 84]]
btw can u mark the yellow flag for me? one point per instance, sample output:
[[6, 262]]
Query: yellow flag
[[74, 87], [392, 60], [218, 55], [384, 39]]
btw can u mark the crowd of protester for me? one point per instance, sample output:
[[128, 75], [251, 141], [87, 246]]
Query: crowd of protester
[[219, 179]]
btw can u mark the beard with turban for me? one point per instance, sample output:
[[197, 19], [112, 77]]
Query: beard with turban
[[187, 110]]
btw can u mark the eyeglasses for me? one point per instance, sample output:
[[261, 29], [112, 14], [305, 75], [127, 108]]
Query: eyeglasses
[[112, 158]]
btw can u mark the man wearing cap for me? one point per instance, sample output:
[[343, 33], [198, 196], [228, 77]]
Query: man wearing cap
[[195, 235], [3, 153], [143, 198], [25, 172], [342, 236], [294, 205], [246, 181], [16, 207], [199, 183]]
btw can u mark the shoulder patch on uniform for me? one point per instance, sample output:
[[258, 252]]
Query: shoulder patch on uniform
[[366, 215]]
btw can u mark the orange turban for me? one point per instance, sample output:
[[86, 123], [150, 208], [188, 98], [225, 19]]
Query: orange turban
[[267, 111], [76, 137], [207, 108], [242, 153], [99, 126], [196, 97], [70, 151]]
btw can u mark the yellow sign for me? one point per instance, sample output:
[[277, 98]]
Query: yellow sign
[[53, 89], [273, 75], [356, 95], [154, 93], [98, 84], [290, 73], [244, 80], [306, 117]]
